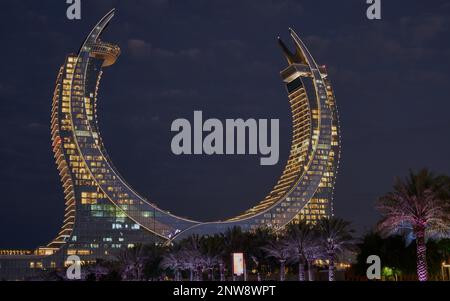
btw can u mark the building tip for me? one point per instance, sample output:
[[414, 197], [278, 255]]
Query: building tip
[[112, 11], [291, 31]]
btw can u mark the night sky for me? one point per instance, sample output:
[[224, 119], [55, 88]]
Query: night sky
[[391, 78]]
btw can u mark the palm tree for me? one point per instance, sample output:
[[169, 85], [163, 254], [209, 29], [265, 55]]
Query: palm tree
[[259, 238], [415, 207], [313, 253], [304, 244], [336, 237], [281, 251], [174, 261], [100, 268], [212, 250], [189, 263], [234, 239], [131, 262], [209, 263], [192, 256]]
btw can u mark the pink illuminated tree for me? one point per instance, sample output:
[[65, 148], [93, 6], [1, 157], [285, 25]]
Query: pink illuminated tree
[[416, 208]]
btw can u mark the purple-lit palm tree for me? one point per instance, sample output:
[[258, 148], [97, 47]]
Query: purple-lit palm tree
[[131, 262], [415, 207], [212, 250], [191, 248], [187, 260], [281, 251], [312, 253], [302, 240], [189, 264], [174, 261], [100, 269], [336, 238], [209, 263]]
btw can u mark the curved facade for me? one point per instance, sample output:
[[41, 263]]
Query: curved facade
[[103, 213]]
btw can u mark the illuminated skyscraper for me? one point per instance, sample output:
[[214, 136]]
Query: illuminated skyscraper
[[104, 214]]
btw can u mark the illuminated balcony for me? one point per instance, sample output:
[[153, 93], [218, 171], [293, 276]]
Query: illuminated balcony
[[15, 252], [105, 51]]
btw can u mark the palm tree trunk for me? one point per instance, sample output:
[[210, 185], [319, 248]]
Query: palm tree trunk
[[310, 271], [301, 271], [137, 274], [422, 268], [282, 270], [199, 274], [331, 267], [222, 273]]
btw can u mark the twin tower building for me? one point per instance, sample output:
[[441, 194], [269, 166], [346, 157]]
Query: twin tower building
[[103, 214]]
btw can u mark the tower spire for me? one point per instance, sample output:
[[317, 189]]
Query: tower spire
[[292, 58], [287, 53]]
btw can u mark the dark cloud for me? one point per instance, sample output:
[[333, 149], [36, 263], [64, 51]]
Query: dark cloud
[[139, 48], [177, 93], [428, 28]]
